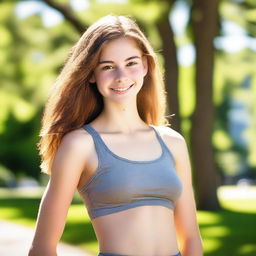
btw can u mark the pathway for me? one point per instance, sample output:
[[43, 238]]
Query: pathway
[[15, 240]]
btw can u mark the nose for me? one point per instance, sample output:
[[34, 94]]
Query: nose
[[121, 75]]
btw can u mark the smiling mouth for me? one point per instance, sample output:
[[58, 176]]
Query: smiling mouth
[[121, 90]]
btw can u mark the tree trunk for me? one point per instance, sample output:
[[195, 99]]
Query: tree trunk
[[171, 68], [204, 22]]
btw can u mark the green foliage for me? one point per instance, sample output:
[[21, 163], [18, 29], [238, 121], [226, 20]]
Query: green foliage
[[6, 177], [30, 58], [241, 13], [234, 74], [230, 231], [152, 9], [18, 147]]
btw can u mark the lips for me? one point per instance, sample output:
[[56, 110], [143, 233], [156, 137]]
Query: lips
[[121, 89]]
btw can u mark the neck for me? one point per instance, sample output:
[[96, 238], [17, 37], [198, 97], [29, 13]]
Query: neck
[[120, 118]]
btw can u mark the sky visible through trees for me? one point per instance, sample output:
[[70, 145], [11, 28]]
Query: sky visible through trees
[[234, 37]]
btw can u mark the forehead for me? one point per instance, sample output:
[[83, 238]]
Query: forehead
[[120, 48]]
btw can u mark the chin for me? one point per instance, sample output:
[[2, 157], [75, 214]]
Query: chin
[[124, 100]]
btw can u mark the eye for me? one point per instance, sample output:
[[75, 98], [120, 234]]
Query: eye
[[107, 67], [131, 63]]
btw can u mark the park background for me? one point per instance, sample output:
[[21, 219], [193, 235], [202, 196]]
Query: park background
[[207, 51]]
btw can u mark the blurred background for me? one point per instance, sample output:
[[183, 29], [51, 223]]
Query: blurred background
[[207, 51]]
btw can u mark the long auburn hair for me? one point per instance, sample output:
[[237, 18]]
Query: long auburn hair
[[73, 101]]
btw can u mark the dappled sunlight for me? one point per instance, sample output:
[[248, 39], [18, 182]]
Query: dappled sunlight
[[91, 247], [230, 231], [78, 213], [217, 231], [229, 235], [186, 90], [221, 140], [23, 110], [9, 213], [211, 245], [247, 248], [230, 161], [240, 205], [208, 217], [211, 230]]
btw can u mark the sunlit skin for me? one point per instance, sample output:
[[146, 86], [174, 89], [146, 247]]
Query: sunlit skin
[[121, 65], [119, 68], [151, 230]]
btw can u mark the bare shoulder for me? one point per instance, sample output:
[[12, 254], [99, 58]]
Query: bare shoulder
[[77, 138], [174, 141], [75, 147], [170, 135]]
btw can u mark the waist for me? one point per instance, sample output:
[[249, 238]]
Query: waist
[[142, 230]]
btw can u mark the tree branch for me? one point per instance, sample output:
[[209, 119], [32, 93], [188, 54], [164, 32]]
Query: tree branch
[[68, 14]]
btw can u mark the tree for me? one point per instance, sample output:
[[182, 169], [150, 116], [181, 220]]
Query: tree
[[170, 65], [204, 23]]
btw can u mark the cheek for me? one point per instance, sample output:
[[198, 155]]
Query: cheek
[[103, 77], [138, 73]]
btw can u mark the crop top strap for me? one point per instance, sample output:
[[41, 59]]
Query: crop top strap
[[163, 145], [102, 150], [98, 143]]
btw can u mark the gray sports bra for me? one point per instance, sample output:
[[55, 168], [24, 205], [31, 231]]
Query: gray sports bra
[[119, 183]]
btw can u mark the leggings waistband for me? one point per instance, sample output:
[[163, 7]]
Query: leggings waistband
[[110, 254]]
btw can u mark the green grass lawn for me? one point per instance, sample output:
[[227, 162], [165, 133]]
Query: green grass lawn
[[229, 232]]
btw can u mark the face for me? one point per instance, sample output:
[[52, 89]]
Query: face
[[121, 69]]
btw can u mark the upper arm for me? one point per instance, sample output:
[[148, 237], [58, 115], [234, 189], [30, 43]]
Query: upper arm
[[185, 208], [67, 167]]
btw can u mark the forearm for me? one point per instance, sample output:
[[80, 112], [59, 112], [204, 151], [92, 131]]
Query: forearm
[[41, 251], [47, 235], [192, 247], [49, 226]]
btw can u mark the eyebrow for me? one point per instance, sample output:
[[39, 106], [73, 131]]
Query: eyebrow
[[110, 61]]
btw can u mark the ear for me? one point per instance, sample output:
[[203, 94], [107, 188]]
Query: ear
[[145, 65], [92, 79]]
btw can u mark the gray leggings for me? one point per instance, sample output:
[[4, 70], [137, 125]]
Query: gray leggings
[[110, 254]]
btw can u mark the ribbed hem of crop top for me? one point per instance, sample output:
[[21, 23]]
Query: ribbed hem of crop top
[[119, 184], [94, 213]]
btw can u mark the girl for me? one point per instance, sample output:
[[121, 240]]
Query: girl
[[104, 134]]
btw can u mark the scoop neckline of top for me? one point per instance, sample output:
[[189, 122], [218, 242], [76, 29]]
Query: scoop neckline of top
[[129, 160]]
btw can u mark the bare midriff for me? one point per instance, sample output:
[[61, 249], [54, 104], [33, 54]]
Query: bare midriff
[[144, 230]]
